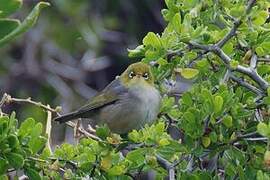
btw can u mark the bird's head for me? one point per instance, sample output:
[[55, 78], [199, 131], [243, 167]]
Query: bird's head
[[137, 74]]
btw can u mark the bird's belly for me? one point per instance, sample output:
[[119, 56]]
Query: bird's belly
[[122, 117]]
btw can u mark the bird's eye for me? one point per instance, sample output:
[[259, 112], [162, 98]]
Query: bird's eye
[[131, 74], [146, 76]]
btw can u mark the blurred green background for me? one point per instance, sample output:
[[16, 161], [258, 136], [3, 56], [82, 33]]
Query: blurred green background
[[76, 48]]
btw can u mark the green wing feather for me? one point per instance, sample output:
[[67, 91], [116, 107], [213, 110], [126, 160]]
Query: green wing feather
[[108, 96]]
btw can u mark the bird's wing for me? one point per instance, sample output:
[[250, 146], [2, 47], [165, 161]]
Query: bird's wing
[[108, 96]]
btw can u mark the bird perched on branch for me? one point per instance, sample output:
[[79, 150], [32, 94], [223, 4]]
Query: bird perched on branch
[[129, 102]]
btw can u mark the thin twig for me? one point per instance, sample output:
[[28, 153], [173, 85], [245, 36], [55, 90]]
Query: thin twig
[[246, 85], [216, 49], [236, 24], [253, 61], [8, 99], [83, 131], [48, 129], [264, 60]]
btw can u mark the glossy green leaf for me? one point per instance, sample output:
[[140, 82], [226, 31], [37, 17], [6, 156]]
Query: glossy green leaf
[[234, 64], [26, 126], [103, 132], [29, 22], [228, 48], [36, 130], [13, 141], [7, 25], [266, 45], [176, 22], [151, 39], [206, 141], [188, 73], [137, 52], [32, 174], [37, 143], [8, 7], [259, 50], [3, 166], [227, 121], [15, 160], [218, 104], [260, 18], [116, 170], [263, 129]]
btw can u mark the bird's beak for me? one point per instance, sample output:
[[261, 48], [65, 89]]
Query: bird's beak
[[139, 76]]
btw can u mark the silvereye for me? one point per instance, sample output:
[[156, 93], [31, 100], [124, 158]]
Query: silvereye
[[129, 102]]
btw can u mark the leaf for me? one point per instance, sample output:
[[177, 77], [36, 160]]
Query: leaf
[[228, 48], [9, 6], [234, 64], [114, 139], [187, 99], [3, 126], [227, 121], [176, 22], [29, 22], [26, 126], [3, 166], [151, 39], [7, 25], [106, 163], [137, 52], [206, 141], [116, 170], [37, 143], [13, 141], [263, 129], [103, 132], [260, 18], [136, 156], [266, 100], [259, 50], [237, 10], [218, 104], [163, 142], [187, 73], [36, 130], [265, 45], [15, 160], [32, 174], [135, 136]]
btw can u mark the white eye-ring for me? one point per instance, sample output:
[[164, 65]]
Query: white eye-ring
[[146, 76], [131, 74]]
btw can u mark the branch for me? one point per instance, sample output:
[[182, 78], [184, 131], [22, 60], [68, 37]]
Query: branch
[[252, 73], [48, 129], [83, 131], [253, 61], [230, 34], [236, 24], [266, 59], [8, 99], [216, 49], [246, 85]]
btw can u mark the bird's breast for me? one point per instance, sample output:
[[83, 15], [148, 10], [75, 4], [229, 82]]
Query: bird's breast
[[137, 107]]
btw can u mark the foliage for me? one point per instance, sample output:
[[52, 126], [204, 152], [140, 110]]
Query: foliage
[[222, 121], [10, 28], [20, 146]]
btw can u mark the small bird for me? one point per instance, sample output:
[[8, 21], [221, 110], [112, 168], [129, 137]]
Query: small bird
[[128, 102]]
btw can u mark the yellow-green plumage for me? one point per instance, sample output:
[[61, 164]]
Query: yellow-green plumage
[[128, 102]]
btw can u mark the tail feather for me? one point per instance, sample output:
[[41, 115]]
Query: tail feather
[[67, 117]]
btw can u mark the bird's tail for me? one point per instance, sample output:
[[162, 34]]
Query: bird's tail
[[67, 117]]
